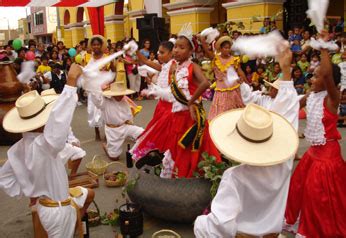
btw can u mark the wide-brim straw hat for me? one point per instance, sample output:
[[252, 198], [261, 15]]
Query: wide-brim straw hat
[[104, 41], [31, 112], [222, 40], [117, 89], [254, 136], [275, 84]]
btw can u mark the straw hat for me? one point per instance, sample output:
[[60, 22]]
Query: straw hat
[[48, 92], [222, 40], [104, 41], [275, 84], [118, 89], [31, 112], [254, 136]]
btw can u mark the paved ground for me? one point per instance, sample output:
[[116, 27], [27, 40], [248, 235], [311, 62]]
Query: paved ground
[[16, 217]]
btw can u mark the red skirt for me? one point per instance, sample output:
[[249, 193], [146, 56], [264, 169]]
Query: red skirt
[[162, 108], [317, 194], [165, 134]]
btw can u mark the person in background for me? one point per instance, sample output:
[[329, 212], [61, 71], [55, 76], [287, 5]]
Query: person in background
[[11, 54], [249, 74], [17, 63], [258, 77], [298, 79], [296, 35], [296, 48], [32, 48], [21, 53], [61, 50], [314, 63], [146, 48], [43, 68], [305, 42], [40, 51], [56, 77], [275, 73], [132, 74], [54, 57], [303, 63], [266, 26]]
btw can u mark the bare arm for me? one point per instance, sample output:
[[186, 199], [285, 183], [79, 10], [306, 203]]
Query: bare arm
[[302, 102], [241, 74], [150, 63], [210, 54]]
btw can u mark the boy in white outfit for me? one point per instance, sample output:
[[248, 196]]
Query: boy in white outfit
[[251, 199], [118, 118], [35, 167]]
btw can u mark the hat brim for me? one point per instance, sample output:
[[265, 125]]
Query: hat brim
[[104, 41], [221, 40], [271, 84], [282, 146], [109, 93], [13, 123]]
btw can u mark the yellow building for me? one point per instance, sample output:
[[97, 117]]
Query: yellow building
[[120, 18]]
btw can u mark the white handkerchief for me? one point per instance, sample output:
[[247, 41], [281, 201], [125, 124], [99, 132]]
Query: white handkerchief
[[320, 44], [317, 12], [260, 46], [211, 34], [27, 72], [145, 70], [232, 77], [92, 82]]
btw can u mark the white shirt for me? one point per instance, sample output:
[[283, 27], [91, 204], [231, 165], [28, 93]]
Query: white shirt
[[250, 199], [34, 167], [113, 112]]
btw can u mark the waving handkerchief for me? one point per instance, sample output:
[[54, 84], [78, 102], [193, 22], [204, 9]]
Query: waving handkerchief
[[27, 72], [145, 70], [211, 34], [321, 44], [317, 12], [92, 78], [232, 77], [260, 46]]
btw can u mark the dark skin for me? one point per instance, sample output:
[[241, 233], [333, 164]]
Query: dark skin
[[225, 51], [96, 47], [323, 80], [182, 52], [164, 56]]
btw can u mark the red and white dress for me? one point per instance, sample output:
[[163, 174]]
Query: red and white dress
[[316, 206], [168, 129]]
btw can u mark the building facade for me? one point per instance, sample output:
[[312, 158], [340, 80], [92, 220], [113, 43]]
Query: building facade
[[43, 21], [120, 18]]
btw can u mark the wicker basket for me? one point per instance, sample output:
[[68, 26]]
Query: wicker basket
[[165, 234], [97, 165], [95, 221], [110, 183]]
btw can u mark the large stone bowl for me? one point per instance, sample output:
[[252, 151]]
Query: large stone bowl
[[174, 200]]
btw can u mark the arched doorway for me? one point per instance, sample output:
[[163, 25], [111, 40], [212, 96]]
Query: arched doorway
[[80, 14], [66, 17]]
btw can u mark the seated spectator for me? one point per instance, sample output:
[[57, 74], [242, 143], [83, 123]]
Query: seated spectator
[[249, 74], [296, 48], [296, 35], [303, 64], [43, 68], [257, 78], [298, 79], [315, 61], [56, 77]]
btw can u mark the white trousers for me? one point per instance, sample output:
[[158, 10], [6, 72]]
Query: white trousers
[[117, 136], [60, 222], [135, 82], [94, 114]]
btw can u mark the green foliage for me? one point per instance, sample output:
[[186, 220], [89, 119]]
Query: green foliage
[[111, 218], [129, 186], [211, 170]]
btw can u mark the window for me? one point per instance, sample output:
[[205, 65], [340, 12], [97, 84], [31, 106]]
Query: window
[[38, 18], [29, 27]]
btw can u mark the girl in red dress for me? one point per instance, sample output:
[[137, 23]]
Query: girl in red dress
[[183, 134], [166, 59], [316, 203]]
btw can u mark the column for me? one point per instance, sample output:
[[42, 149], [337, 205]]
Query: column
[[195, 12]]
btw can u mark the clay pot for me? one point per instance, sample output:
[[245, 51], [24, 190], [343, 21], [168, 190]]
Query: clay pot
[[175, 200], [10, 90]]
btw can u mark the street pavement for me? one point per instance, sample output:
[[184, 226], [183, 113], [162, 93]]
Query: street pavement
[[16, 216]]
